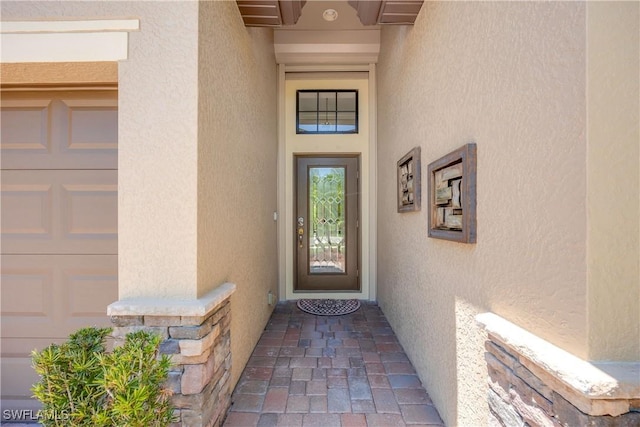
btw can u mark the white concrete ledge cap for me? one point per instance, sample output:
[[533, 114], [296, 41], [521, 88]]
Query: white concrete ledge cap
[[594, 380], [172, 307], [69, 26]]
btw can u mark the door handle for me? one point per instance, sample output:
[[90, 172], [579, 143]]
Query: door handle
[[300, 231]]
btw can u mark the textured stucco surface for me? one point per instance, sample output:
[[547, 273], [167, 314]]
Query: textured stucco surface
[[510, 77], [157, 140], [158, 153], [197, 154], [237, 169], [534, 84], [613, 177]]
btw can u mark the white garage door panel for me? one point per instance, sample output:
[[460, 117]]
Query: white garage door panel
[[45, 298], [59, 130], [25, 128], [59, 212], [26, 291], [51, 296]]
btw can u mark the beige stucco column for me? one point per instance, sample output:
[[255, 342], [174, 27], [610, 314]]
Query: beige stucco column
[[158, 154], [550, 384], [197, 164], [613, 176], [158, 215]]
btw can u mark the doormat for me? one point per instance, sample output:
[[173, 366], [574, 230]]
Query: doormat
[[328, 307]]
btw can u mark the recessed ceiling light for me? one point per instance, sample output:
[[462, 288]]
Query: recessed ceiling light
[[330, 15]]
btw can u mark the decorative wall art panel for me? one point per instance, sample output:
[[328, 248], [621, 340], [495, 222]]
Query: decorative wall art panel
[[452, 196], [409, 189]]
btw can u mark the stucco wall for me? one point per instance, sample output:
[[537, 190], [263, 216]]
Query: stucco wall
[[197, 154], [237, 169], [613, 177], [510, 77], [157, 140]]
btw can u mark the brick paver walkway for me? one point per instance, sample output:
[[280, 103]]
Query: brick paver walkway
[[330, 371]]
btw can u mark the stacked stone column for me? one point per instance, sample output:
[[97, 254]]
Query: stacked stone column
[[197, 337]]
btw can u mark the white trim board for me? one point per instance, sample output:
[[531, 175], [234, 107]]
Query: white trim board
[[66, 41], [69, 26]]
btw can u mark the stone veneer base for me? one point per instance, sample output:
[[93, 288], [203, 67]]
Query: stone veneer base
[[197, 337], [533, 382]]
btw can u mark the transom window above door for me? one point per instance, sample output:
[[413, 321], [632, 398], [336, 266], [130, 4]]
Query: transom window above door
[[326, 111]]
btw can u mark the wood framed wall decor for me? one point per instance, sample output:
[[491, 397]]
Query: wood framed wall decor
[[452, 196], [409, 189]]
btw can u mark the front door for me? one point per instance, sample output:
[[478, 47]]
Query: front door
[[326, 223]]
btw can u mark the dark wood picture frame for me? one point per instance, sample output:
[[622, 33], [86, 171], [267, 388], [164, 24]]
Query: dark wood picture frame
[[452, 195], [408, 185]]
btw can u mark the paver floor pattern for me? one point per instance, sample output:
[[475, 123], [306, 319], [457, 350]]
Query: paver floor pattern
[[329, 371]]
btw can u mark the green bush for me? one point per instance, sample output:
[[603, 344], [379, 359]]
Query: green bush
[[81, 384]]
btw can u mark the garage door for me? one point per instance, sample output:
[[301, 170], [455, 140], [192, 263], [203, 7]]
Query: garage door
[[59, 223]]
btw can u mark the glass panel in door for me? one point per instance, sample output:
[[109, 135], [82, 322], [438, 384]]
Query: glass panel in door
[[326, 213]]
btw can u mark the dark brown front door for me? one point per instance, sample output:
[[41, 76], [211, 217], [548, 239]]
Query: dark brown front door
[[326, 224]]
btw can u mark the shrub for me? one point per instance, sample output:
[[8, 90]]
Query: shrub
[[81, 384]]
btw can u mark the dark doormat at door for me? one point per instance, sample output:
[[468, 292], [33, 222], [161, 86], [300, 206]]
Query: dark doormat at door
[[328, 307]]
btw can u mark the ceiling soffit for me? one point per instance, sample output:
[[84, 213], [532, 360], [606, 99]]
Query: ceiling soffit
[[270, 13], [278, 13], [397, 12], [302, 36]]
